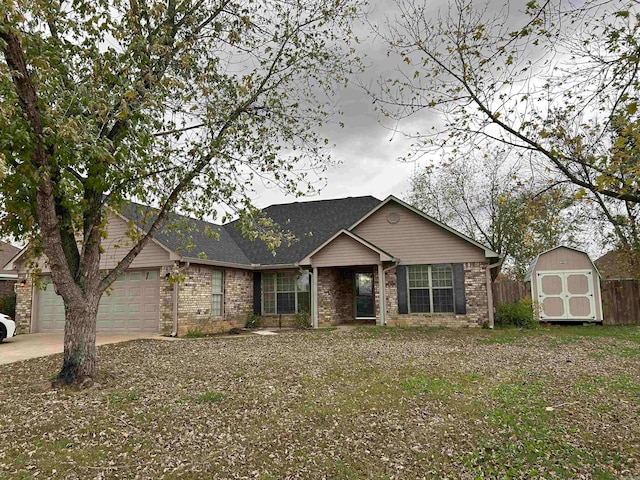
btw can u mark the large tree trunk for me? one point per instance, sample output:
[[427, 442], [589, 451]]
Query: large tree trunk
[[79, 363]]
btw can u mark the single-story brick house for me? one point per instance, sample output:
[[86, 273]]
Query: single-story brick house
[[356, 259]]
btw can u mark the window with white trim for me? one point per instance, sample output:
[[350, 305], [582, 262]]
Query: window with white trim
[[286, 292], [430, 288], [217, 297]]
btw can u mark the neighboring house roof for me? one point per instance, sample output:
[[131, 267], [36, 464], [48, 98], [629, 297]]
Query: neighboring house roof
[[532, 265], [7, 252], [619, 264], [313, 223]]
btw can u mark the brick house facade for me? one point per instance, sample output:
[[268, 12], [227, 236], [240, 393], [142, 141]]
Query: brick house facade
[[357, 260]]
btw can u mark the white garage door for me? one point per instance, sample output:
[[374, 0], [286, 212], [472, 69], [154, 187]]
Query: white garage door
[[131, 305], [566, 295]]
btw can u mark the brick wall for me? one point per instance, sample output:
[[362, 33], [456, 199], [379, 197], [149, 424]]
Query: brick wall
[[476, 298], [195, 300], [24, 297], [335, 297]]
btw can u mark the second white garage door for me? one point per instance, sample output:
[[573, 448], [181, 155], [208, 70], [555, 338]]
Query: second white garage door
[[131, 306]]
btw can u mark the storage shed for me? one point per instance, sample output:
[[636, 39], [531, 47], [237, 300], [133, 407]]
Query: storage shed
[[565, 284]]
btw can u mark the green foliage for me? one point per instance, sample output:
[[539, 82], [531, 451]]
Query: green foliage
[[303, 320], [520, 314], [253, 321], [210, 397], [120, 397], [194, 333], [181, 105], [8, 305]]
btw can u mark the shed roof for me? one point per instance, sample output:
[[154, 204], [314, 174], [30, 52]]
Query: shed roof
[[532, 265]]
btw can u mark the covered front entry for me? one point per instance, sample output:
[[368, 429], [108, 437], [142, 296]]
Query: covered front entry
[[346, 282], [131, 306]]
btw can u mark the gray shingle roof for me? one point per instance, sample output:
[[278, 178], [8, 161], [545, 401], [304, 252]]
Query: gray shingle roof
[[311, 222], [180, 232]]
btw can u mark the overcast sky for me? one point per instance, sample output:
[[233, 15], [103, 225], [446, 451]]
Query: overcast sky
[[368, 151]]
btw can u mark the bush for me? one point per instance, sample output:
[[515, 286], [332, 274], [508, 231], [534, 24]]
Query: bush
[[253, 321], [194, 333], [519, 314], [302, 320]]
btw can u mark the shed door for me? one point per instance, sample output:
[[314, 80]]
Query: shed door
[[131, 305], [566, 295]]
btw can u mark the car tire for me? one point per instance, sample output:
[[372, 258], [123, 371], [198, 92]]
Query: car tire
[[3, 333]]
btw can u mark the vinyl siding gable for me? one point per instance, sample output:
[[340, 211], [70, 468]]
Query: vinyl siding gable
[[344, 251], [415, 240], [117, 245]]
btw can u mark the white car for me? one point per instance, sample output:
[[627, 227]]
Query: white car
[[7, 327]]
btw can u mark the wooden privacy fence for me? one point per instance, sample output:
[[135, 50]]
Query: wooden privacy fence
[[508, 291], [620, 298], [621, 302]]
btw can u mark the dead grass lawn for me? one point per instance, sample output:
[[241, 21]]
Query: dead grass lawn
[[369, 403]]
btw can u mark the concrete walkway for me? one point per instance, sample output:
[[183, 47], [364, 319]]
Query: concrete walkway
[[32, 345]]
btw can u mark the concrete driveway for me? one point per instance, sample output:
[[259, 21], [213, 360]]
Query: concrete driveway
[[32, 345]]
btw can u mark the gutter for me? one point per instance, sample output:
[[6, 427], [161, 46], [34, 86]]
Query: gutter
[[176, 290], [490, 290]]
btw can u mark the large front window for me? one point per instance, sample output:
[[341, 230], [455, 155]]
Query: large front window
[[285, 292], [430, 288]]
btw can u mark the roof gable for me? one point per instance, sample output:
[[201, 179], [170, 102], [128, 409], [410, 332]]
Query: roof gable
[[355, 240], [488, 253], [534, 262], [7, 254]]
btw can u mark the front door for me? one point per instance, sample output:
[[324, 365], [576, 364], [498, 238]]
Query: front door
[[364, 295]]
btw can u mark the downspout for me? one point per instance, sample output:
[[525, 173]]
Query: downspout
[[490, 290], [176, 290], [383, 292]]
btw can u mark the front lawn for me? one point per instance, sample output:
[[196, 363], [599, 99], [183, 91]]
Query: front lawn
[[365, 403]]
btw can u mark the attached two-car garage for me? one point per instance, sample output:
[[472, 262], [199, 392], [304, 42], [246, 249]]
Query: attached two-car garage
[[131, 305]]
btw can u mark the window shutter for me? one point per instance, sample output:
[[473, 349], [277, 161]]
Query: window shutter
[[401, 280], [460, 301], [257, 293]]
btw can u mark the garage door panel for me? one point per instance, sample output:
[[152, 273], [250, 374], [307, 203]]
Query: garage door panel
[[123, 309]]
